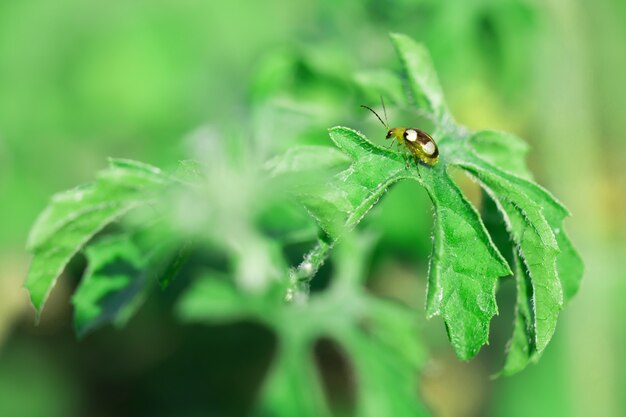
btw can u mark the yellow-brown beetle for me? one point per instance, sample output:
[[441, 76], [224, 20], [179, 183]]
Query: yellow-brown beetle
[[418, 143]]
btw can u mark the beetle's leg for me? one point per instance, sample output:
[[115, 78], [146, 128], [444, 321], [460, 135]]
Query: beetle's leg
[[417, 165]]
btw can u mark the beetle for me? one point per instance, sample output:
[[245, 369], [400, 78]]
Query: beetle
[[418, 143]]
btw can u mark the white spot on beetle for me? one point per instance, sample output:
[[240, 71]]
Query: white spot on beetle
[[429, 147], [411, 135]]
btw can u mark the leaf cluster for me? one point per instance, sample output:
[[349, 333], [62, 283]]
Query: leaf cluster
[[243, 209]]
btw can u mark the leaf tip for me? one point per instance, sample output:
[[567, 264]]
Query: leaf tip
[[35, 300], [400, 39], [395, 36], [31, 239], [37, 306], [342, 129]]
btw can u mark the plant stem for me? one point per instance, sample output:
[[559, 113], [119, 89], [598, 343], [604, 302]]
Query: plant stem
[[300, 277]]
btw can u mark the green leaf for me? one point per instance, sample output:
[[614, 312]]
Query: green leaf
[[72, 218], [422, 77], [464, 266], [113, 286], [534, 219], [338, 205], [118, 184], [505, 152], [536, 242], [521, 346]]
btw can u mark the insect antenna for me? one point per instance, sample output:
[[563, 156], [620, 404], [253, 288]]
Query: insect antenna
[[375, 114], [382, 101]]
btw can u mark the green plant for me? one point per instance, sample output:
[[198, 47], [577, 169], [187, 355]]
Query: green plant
[[248, 210]]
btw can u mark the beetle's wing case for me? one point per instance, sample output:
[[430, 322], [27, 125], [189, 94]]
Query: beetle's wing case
[[428, 144], [422, 145]]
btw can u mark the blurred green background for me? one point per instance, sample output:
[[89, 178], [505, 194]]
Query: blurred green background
[[80, 81]]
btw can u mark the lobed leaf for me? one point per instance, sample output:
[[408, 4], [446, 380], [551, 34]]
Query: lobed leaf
[[339, 204], [72, 218], [464, 266], [536, 242], [535, 221], [505, 152]]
